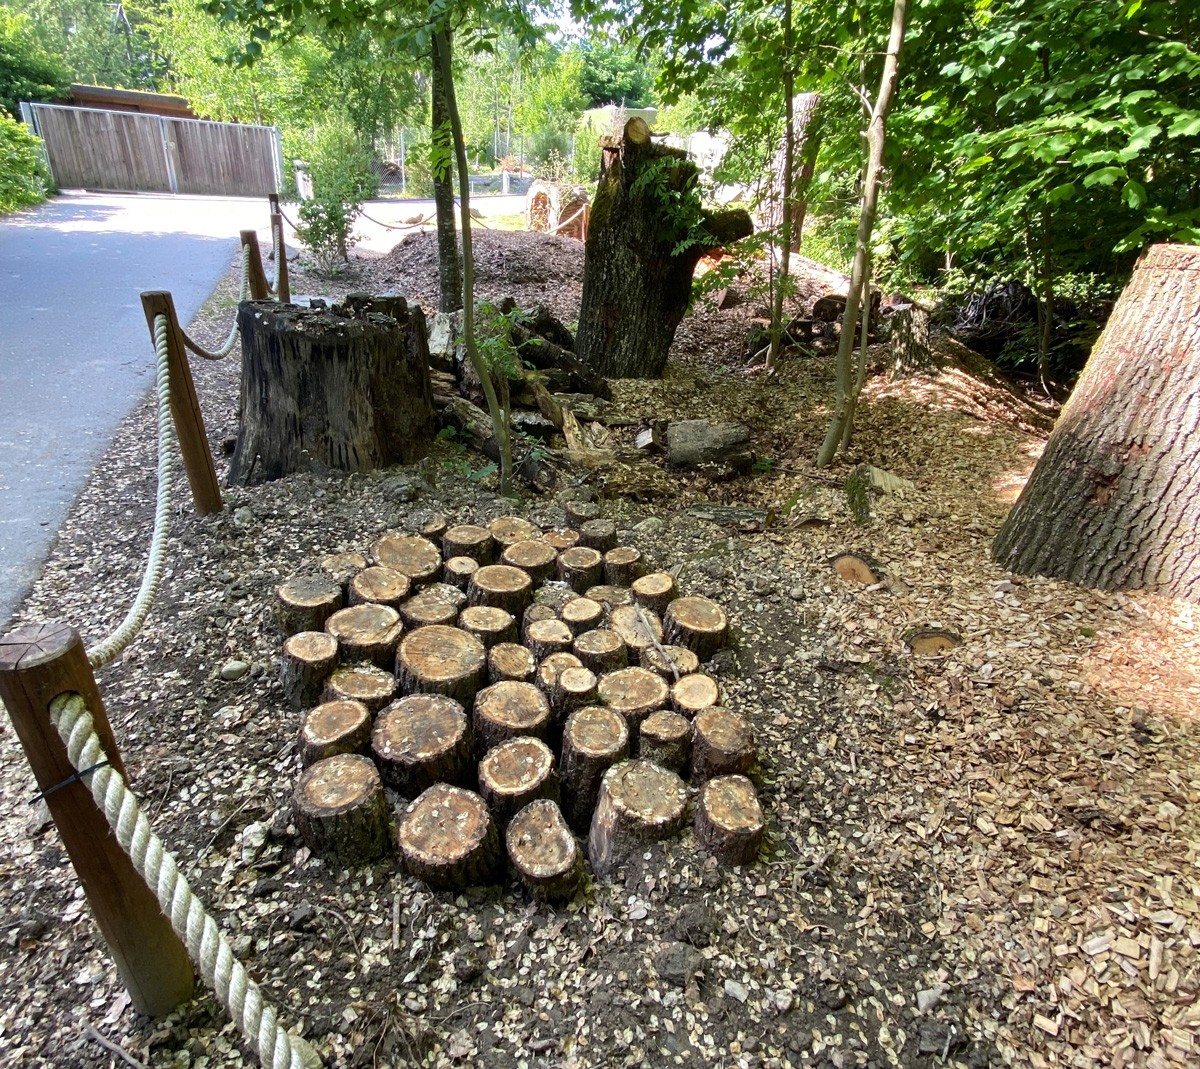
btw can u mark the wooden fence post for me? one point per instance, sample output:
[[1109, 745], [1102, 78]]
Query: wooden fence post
[[283, 291], [259, 291], [185, 407], [37, 664]]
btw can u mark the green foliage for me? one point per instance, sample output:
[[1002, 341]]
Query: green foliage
[[99, 43], [494, 340], [22, 176], [669, 183], [27, 70], [615, 74]]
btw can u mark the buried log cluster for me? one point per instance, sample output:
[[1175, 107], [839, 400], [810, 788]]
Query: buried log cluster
[[536, 697]]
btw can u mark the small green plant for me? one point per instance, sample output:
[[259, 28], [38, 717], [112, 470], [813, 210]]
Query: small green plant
[[670, 184], [23, 180]]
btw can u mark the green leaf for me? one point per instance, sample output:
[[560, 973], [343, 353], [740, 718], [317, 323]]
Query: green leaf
[[1134, 194], [1106, 176]]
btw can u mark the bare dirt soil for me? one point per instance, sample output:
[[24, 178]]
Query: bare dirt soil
[[989, 857]]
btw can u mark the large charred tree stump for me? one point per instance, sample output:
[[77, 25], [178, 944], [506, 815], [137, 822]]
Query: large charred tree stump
[[340, 810], [340, 390], [647, 234], [448, 839], [1114, 501], [639, 804]]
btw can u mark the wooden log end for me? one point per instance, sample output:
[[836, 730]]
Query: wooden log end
[[508, 660], [602, 650], [543, 852], [506, 710], [441, 660], [729, 820], [670, 662], [305, 602], [722, 744], [307, 661], [380, 585], [857, 568], [410, 555], [932, 641], [515, 773], [362, 683], [332, 728], [341, 812], [488, 624], [635, 693], [422, 740], [469, 540], [638, 626], [447, 838], [366, 632], [666, 740], [507, 530], [698, 623], [639, 803], [656, 591], [694, 693]]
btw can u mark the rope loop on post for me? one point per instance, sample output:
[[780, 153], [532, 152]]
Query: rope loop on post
[[109, 649], [206, 944], [235, 330]]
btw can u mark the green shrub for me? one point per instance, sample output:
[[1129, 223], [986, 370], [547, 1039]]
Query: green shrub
[[23, 180]]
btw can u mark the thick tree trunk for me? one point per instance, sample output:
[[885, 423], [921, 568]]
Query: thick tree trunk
[[805, 143], [326, 391], [450, 297], [1114, 501], [637, 279]]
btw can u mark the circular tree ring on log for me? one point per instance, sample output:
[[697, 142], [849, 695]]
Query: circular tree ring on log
[[562, 538], [383, 586], [305, 602], [544, 852], [501, 586], [857, 568], [448, 839], [441, 660], [515, 773], [580, 567], [594, 739], [622, 566], [309, 658], [410, 555], [655, 591], [507, 530], [506, 710], [697, 623], [457, 571], [612, 596], [722, 744], [601, 650], [433, 528], [422, 740], [533, 615], [535, 557], [468, 540], [340, 810], [334, 728], [508, 660], [552, 667], [729, 820], [544, 637], [366, 632], [574, 688], [635, 693], [694, 693], [638, 627], [580, 512], [362, 683], [931, 641], [581, 614], [490, 625], [670, 662], [436, 604], [639, 803]]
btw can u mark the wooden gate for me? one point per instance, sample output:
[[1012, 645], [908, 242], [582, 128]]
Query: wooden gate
[[123, 151]]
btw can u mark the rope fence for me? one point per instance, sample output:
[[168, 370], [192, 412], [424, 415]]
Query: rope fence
[[235, 331]]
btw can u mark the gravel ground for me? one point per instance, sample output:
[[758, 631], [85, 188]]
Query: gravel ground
[[946, 839]]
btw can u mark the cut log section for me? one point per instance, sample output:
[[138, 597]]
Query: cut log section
[[422, 740], [694, 693], [580, 567], [436, 604], [366, 632], [467, 540], [602, 650], [729, 820], [622, 565], [533, 615], [612, 596], [514, 774], [639, 803], [410, 555], [562, 538], [581, 614], [457, 571], [305, 603], [309, 658], [502, 587], [574, 688], [857, 568], [666, 739], [722, 744], [555, 595], [638, 627], [580, 512], [508, 530], [670, 662], [635, 693], [341, 812], [441, 660], [549, 670], [334, 728], [433, 528], [600, 535], [594, 739], [544, 852], [448, 839], [507, 660], [341, 568], [490, 625], [361, 683], [544, 637], [506, 710], [697, 623], [536, 558], [932, 641], [655, 591], [380, 586]]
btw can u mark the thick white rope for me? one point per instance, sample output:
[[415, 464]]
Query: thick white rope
[[231, 341], [568, 221], [276, 245], [206, 944], [109, 649]]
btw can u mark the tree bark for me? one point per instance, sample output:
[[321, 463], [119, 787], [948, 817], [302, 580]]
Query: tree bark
[[805, 143], [637, 279], [449, 269], [1114, 501]]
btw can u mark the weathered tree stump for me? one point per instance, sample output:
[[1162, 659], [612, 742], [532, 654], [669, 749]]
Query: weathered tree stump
[[932, 641], [508, 530], [553, 666], [457, 571], [729, 820], [508, 660], [602, 650], [697, 623], [857, 568], [655, 591], [639, 803], [638, 627], [309, 658], [580, 567], [722, 744], [379, 585], [410, 555], [666, 739], [321, 391], [490, 625], [361, 683], [340, 810], [515, 773], [561, 538], [436, 604], [580, 512], [305, 602], [635, 693], [367, 632], [468, 540], [533, 615], [622, 565], [600, 535], [670, 662], [507, 709], [594, 739], [502, 587], [341, 568], [334, 728], [441, 660], [610, 596], [573, 689], [448, 839], [544, 637], [422, 740], [536, 558], [581, 614], [433, 528], [543, 851], [694, 693]]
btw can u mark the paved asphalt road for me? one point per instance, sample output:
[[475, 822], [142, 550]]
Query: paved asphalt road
[[75, 353]]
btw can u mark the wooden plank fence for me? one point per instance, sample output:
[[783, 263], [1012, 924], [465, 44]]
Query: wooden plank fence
[[123, 151]]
